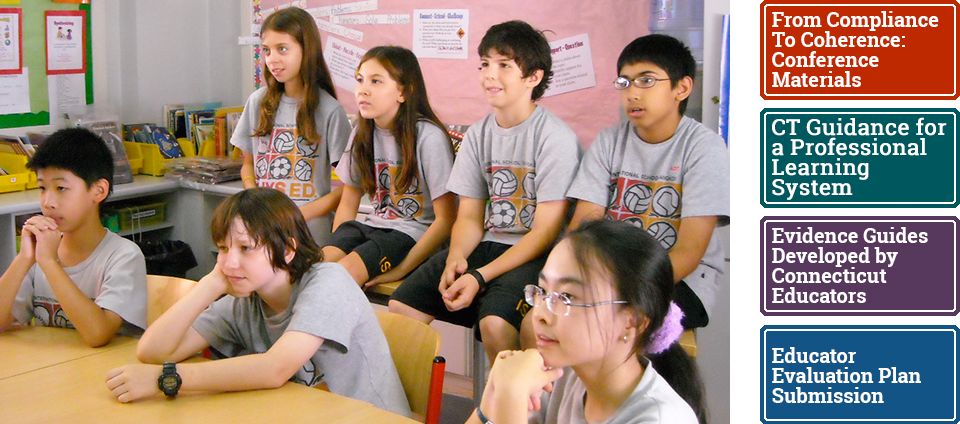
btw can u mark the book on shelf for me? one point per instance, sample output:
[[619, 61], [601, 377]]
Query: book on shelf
[[169, 147], [206, 110], [15, 145]]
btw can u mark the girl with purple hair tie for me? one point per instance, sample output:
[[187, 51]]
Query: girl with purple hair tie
[[606, 332]]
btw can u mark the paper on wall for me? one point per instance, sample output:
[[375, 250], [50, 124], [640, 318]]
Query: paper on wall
[[342, 31], [343, 59], [572, 65], [441, 33], [15, 93], [66, 92], [400, 18], [343, 8]]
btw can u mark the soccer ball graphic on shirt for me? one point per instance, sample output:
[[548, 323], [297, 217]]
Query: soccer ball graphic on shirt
[[666, 202], [408, 207], [284, 142], [262, 167], [636, 198], [663, 232], [306, 149], [280, 167], [502, 214], [526, 215], [303, 170], [504, 183]]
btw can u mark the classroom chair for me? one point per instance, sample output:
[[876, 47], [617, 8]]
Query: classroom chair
[[163, 292], [414, 347]]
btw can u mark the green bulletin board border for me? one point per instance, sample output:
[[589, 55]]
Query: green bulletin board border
[[35, 59]]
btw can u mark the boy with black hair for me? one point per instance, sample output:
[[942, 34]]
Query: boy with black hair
[[71, 271], [512, 173], [662, 171]]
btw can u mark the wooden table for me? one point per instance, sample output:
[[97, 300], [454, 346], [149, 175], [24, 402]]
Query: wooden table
[[27, 348], [75, 391]]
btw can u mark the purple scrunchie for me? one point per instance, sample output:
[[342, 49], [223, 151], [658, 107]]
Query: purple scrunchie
[[668, 333]]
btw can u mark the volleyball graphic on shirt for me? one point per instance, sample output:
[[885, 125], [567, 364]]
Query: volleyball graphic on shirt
[[42, 313], [408, 207], [666, 202], [284, 141], [280, 168], [303, 170], [414, 186], [636, 198], [503, 214], [663, 232], [384, 177], [263, 145], [306, 149], [60, 319], [526, 215], [261, 167], [635, 221], [529, 185], [613, 194], [503, 183]]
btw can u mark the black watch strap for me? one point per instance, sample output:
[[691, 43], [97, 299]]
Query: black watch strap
[[169, 381], [476, 274]]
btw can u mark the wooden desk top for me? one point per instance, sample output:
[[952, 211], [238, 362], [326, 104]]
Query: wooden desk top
[[27, 348], [75, 391]]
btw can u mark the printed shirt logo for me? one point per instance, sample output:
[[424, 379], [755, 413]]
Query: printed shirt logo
[[286, 162], [513, 199], [48, 313], [653, 206], [388, 203]]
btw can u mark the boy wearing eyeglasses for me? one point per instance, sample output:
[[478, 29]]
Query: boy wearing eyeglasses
[[662, 171]]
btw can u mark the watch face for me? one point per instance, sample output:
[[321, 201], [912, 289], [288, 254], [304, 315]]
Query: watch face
[[169, 382]]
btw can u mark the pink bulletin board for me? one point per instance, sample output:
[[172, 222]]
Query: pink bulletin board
[[453, 84]]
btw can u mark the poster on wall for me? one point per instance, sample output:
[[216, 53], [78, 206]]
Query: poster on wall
[[11, 49], [572, 65], [441, 33], [66, 46], [15, 93], [343, 59]]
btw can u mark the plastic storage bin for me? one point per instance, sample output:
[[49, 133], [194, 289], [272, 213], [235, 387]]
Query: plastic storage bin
[[138, 217], [135, 156], [154, 162], [18, 175]]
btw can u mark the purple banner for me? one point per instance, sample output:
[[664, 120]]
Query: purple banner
[[859, 265]]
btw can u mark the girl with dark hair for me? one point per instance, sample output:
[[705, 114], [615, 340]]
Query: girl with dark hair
[[293, 131], [401, 156], [285, 317], [603, 319]]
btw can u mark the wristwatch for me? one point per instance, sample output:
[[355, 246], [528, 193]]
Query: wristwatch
[[169, 381]]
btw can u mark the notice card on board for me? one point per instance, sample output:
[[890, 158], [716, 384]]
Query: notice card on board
[[441, 33]]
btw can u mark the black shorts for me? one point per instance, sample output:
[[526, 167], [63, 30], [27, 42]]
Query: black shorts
[[694, 314], [502, 297], [379, 249]]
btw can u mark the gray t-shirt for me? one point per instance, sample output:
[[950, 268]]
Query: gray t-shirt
[[515, 168], [285, 161], [114, 276], [354, 359], [654, 186], [410, 212], [653, 401]]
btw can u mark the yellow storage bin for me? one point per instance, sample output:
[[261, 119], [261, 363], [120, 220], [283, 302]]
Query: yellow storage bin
[[135, 156], [154, 162], [133, 218], [18, 175]]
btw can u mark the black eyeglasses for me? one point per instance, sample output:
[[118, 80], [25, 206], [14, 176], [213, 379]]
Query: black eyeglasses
[[643, 81], [558, 303]]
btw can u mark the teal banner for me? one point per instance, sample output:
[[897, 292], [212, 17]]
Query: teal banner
[[858, 158]]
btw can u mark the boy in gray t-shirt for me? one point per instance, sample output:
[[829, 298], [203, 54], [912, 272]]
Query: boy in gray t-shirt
[[662, 171], [512, 173], [71, 272]]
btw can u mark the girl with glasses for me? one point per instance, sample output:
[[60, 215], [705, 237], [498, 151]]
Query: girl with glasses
[[606, 333]]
